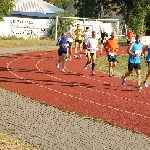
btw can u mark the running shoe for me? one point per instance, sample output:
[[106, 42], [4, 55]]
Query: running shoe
[[92, 73], [57, 65], [80, 55], [111, 74], [75, 55], [139, 88], [85, 67], [145, 84], [62, 70], [69, 58], [123, 81]]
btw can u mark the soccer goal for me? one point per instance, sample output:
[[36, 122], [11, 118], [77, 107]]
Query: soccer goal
[[95, 25]]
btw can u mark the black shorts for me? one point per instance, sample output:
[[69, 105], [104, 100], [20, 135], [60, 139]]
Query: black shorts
[[70, 43], [112, 58], [78, 41], [84, 45], [102, 42], [61, 52], [128, 42], [136, 66], [91, 54], [148, 62]]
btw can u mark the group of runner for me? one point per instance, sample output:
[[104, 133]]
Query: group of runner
[[110, 45]]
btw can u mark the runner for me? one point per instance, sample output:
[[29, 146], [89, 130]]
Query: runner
[[111, 47], [62, 51], [129, 36], [134, 61], [92, 47], [78, 40], [104, 37], [70, 36], [147, 60], [86, 34]]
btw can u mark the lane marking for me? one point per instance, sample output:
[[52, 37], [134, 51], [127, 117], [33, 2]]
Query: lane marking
[[78, 98]]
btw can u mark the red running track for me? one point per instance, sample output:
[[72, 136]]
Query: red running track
[[34, 75]]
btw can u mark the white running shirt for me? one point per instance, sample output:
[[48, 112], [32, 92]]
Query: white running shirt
[[86, 35], [92, 44], [69, 35]]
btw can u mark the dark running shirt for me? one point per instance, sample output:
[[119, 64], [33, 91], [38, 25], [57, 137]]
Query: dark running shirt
[[104, 35], [62, 41]]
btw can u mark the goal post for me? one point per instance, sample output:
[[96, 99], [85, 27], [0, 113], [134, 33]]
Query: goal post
[[94, 24]]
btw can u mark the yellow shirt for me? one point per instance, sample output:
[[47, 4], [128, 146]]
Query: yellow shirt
[[78, 33]]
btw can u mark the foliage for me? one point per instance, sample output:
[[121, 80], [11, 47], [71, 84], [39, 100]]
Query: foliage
[[62, 24], [5, 7], [88, 9], [133, 12]]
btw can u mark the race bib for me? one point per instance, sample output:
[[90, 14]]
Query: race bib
[[138, 52], [79, 35], [111, 54], [94, 50], [66, 45]]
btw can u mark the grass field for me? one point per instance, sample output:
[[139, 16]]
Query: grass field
[[121, 68], [24, 43], [9, 143]]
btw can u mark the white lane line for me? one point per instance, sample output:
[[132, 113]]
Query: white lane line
[[68, 82], [79, 98]]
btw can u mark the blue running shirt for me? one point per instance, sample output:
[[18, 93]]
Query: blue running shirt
[[136, 49], [148, 55], [62, 41]]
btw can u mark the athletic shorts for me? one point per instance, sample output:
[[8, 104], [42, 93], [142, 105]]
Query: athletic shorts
[[112, 58], [84, 45], [128, 42], [136, 66], [90, 55], [102, 42], [61, 52], [148, 63], [70, 43], [78, 41]]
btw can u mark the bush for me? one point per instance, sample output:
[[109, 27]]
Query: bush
[[62, 24]]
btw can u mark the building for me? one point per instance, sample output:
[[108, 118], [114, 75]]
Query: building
[[29, 19]]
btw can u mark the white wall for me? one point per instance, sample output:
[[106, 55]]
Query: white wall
[[24, 27]]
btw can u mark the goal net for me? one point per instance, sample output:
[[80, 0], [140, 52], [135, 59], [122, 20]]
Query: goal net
[[95, 25]]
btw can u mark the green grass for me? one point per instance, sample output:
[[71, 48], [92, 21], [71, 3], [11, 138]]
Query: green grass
[[121, 68], [9, 143], [24, 43]]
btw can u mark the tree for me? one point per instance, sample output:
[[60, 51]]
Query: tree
[[93, 8], [5, 7], [62, 24], [133, 12]]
